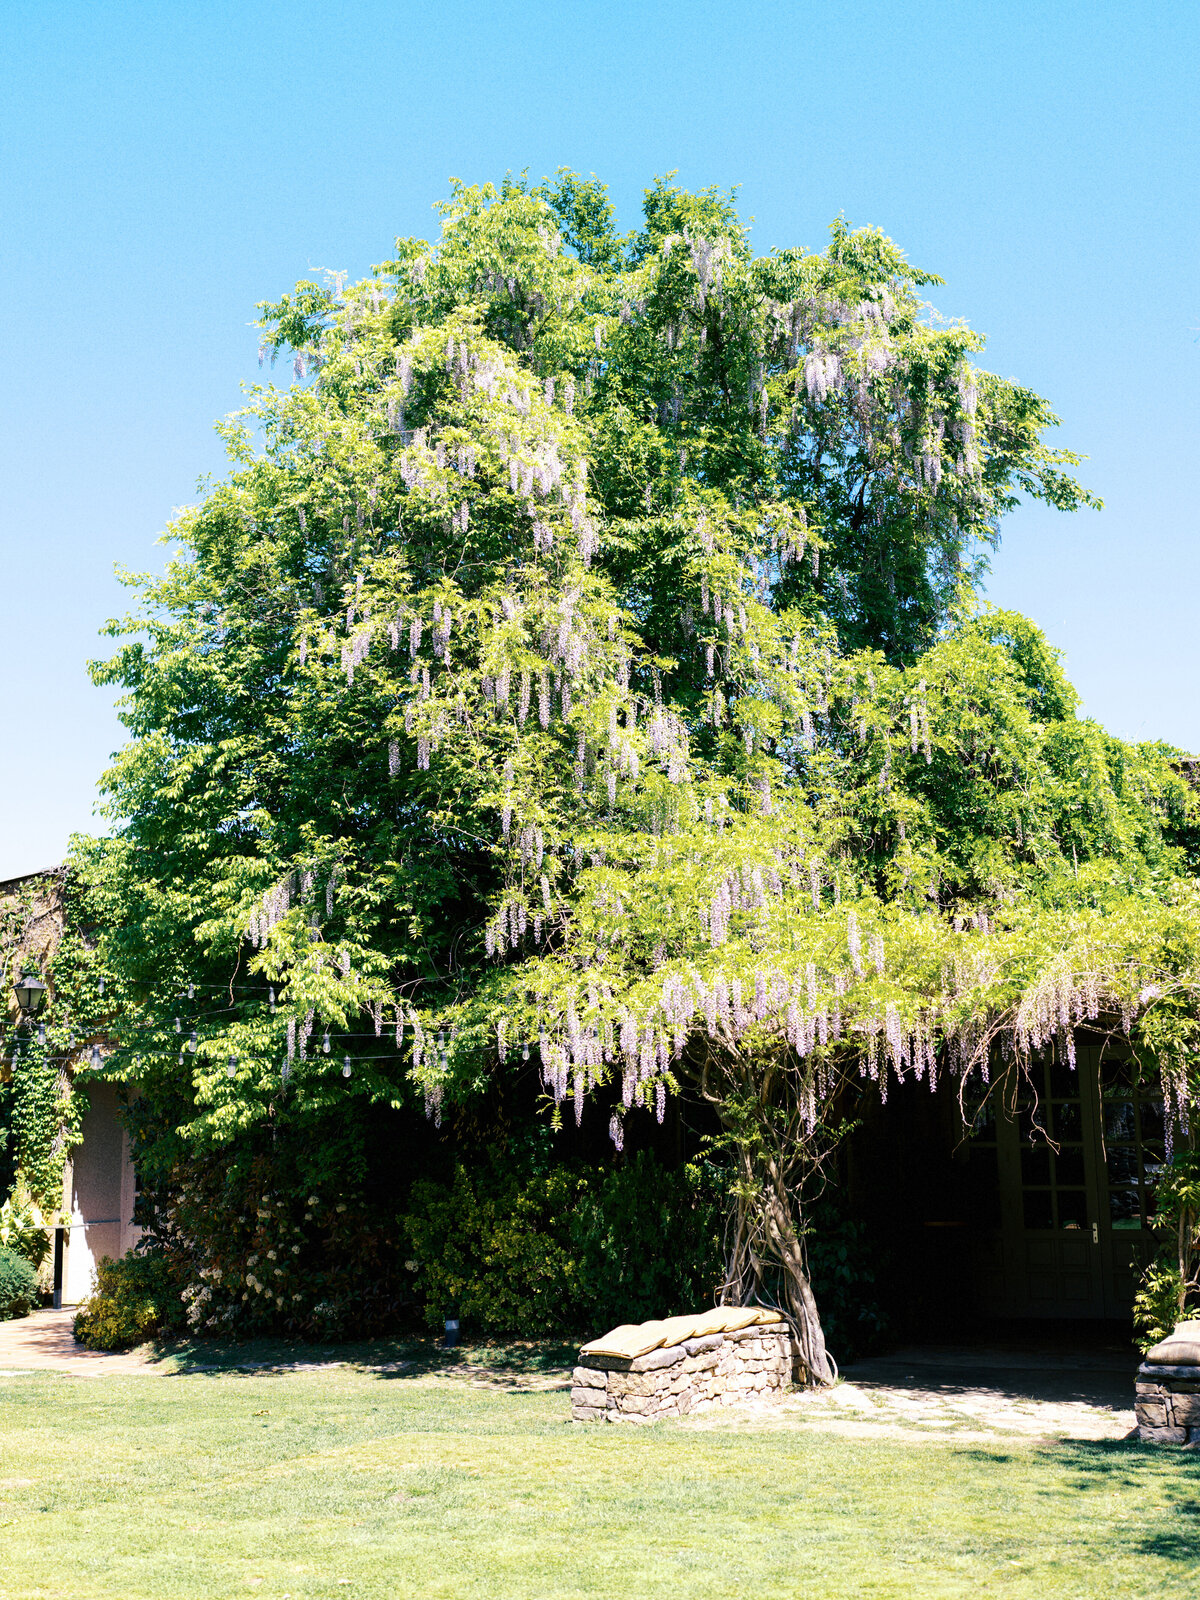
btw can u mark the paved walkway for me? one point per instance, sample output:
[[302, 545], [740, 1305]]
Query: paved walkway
[[44, 1342], [965, 1394]]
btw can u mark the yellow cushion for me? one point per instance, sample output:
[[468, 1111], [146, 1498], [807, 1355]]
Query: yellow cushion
[[633, 1339], [1178, 1349]]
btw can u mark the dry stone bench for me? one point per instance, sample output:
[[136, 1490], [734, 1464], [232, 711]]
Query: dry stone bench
[[1168, 1389], [642, 1371]]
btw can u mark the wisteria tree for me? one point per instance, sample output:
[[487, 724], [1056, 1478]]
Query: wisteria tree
[[581, 662]]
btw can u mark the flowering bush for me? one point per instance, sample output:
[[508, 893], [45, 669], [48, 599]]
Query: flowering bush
[[261, 1247]]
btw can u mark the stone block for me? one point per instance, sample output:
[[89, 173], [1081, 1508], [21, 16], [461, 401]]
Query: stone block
[[589, 1377], [1162, 1435], [702, 1363], [695, 1347], [605, 1363], [655, 1359], [633, 1405], [644, 1383], [1185, 1410]]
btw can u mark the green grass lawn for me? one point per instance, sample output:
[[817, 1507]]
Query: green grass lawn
[[347, 1482]]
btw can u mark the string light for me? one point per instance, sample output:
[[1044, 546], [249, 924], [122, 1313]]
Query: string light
[[231, 1069], [346, 1067], [325, 1042]]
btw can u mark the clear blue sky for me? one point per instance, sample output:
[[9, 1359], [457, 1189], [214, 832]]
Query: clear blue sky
[[164, 166]]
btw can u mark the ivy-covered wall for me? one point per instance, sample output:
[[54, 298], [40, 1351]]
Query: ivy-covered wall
[[40, 1111]]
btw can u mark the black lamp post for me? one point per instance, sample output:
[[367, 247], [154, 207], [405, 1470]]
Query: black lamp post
[[31, 995]]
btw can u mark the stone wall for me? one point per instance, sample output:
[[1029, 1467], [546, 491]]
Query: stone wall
[[1168, 1404], [715, 1369]]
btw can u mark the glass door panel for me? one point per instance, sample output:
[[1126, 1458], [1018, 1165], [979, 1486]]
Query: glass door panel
[[1047, 1161]]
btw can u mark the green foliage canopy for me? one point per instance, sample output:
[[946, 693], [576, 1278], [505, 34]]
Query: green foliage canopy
[[581, 657]]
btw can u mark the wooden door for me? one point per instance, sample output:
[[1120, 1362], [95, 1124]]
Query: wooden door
[[1077, 1152], [1130, 1128]]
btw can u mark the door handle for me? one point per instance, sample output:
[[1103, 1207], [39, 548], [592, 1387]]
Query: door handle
[[1095, 1233]]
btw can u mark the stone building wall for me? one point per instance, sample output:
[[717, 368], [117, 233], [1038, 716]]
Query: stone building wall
[[713, 1369]]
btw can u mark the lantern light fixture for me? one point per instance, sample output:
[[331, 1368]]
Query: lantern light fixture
[[31, 994]]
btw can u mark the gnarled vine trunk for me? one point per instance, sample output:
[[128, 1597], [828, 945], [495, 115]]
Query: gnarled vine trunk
[[766, 1262]]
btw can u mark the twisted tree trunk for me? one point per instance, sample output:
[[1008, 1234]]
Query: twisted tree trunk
[[768, 1245]]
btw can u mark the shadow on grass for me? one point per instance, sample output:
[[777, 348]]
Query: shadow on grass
[[1165, 1479], [510, 1364]]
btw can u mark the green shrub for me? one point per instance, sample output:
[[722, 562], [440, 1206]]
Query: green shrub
[[517, 1250], [135, 1300], [648, 1240], [18, 1285], [1156, 1304], [841, 1265], [23, 1228], [1170, 1285]]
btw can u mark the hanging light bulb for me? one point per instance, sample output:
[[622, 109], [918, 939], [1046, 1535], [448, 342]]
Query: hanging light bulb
[[346, 1067], [191, 990], [95, 1055], [325, 1042], [272, 1002], [192, 1042], [41, 1033], [102, 986], [231, 1069], [177, 1028], [525, 1053]]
